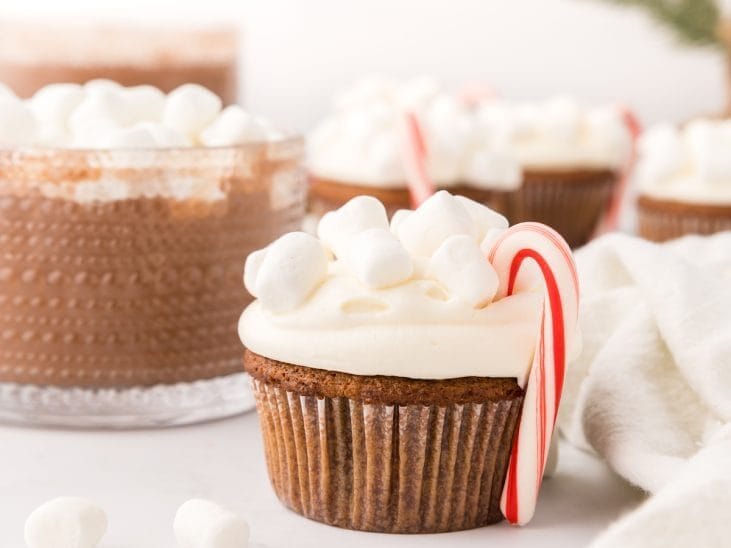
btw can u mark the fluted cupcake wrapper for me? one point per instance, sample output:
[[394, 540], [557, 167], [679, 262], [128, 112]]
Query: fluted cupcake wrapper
[[660, 221], [573, 204], [387, 468]]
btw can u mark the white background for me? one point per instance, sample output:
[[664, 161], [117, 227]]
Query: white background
[[298, 51]]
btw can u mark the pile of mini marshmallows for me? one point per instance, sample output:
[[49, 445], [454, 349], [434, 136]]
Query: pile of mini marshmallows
[[698, 151], [444, 240], [103, 114], [73, 522]]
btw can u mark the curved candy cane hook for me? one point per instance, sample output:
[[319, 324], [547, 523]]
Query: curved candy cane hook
[[519, 246]]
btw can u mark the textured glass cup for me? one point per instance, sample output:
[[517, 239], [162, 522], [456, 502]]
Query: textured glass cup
[[121, 278]]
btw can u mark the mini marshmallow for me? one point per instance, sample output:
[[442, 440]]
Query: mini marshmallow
[[561, 119], [463, 269], [491, 237], [251, 269], [190, 108], [130, 137], [294, 265], [482, 216], [336, 228], [438, 218], [233, 126], [17, 124], [144, 135], [65, 522], [144, 103], [52, 105], [378, 259], [101, 106], [397, 218], [204, 524], [102, 83]]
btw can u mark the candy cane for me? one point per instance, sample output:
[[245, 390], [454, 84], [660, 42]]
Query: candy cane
[[611, 218], [414, 155], [547, 251]]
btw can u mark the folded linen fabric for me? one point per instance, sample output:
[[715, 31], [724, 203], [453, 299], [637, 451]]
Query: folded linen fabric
[[651, 390]]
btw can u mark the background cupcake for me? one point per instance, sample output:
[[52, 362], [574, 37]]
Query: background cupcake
[[359, 148], [684, 180], [571, 159], [389, 375]]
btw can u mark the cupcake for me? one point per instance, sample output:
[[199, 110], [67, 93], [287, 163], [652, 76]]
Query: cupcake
[[684, 180], [124, 214], [572, 160], [33, 55], [359, 148], [390, 364]]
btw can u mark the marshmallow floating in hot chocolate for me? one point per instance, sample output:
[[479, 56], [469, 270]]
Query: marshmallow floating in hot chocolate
[[204, 524], [104, 114], [65, 522]]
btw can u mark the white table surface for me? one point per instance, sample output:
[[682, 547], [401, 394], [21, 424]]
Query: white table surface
[[140, 478]]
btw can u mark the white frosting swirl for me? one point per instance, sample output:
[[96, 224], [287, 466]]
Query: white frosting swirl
[[359, 142], [690, 164], [557, 133], [488, 146], [417, 304]]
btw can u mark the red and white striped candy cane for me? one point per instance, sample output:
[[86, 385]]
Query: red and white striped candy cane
[[518, 247], [611, 218], [414, 156]]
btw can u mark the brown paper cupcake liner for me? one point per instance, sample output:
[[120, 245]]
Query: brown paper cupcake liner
[[573, 202], [387, 468], [661, 220]]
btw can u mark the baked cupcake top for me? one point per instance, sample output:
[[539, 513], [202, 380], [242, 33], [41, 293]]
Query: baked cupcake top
[[692, 163], [413, 298], [486, 146], [359, 142]]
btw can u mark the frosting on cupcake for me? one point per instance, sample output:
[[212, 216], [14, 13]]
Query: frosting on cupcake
[[688, 164], [359, 142], [413, 298], [555, 134], [487, 146]]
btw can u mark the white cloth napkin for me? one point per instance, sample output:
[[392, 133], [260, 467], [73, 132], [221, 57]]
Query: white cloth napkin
[[651, 390]]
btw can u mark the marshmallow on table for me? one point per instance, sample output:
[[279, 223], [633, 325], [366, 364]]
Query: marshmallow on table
[[65, 522], [438, 218], [336, 228], [190, 108], [233, 126], [291, 268], [378, 259], [17, 124], [462, 268], [204, 524]]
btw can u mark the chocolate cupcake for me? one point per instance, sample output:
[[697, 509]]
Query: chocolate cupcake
[[572, 159], [684, 180], [553, 162], [388, 367], [358, 149]]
